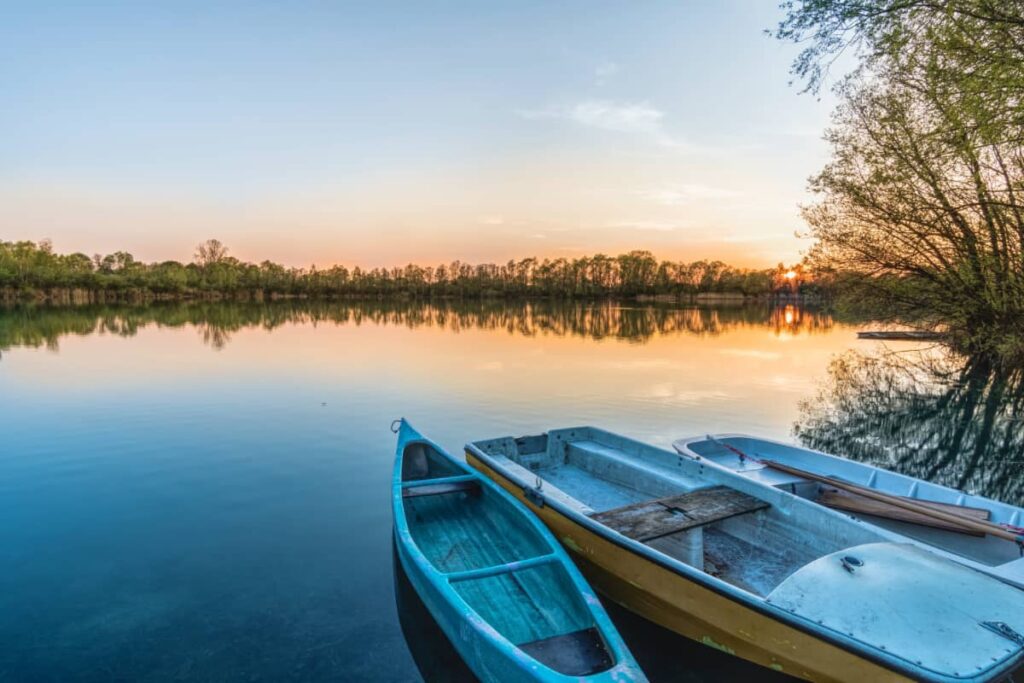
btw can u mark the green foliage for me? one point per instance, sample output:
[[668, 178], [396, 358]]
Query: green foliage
[[922, 205], [26, 267]]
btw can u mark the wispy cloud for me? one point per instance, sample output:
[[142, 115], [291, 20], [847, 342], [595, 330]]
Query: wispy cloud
[[637, 118], [686, 193], [492, 220]]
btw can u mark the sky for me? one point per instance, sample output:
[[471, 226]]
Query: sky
[[382, 133]]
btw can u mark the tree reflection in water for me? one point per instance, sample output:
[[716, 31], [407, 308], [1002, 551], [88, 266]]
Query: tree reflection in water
[[216, 321], [949, 419]]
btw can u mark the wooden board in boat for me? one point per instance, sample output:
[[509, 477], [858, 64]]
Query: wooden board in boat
[[652, 519], [852, 502], [439, 489]]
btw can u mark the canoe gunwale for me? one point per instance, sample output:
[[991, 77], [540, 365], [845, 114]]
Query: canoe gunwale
[[746, 599], [624, 666]]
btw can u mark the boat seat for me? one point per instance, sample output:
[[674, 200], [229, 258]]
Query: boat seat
[[653, 519], [580, 653], [471, 486], [615, 465]]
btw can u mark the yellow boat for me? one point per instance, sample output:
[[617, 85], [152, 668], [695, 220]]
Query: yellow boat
[[754, 570]]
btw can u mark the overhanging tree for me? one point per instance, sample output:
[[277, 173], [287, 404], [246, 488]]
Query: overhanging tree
[[923, 200]]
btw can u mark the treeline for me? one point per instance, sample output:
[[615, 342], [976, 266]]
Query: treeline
[[29, 269]]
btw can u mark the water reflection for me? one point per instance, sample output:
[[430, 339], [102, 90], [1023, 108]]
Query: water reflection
[[948, 419], [216, 322], [434, 656]]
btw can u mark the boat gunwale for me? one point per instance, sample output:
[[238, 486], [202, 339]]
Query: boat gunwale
[[860, 648], [623, 662]]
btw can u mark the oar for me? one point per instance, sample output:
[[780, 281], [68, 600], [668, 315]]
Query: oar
[[900, 502]]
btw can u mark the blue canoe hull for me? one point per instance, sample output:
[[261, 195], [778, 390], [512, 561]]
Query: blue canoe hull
[[488, 661], [494, 579]]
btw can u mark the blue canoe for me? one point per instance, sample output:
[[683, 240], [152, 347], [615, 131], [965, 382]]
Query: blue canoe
[[494, 578]]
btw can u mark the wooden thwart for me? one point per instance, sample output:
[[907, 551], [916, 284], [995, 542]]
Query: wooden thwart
[[652, 519], [853, 502], [438, 489]]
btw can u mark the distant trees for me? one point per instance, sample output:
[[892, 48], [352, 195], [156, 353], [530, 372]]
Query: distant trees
[[210, 252], [923, 199], [27, 266]]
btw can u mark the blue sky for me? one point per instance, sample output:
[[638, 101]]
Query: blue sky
[[380, 133]]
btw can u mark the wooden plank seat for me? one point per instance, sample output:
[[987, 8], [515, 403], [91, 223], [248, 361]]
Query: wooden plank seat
[[652, 519], [470, 486], [579, 653]]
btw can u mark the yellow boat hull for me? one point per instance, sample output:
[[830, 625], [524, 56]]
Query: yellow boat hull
[[677, 603]]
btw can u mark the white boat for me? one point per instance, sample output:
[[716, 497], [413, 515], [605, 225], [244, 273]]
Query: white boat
[[755, 458], [755, 571]]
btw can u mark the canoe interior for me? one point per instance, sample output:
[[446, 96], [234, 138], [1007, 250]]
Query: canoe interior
[[528, 605], [755, 549], [460, 531], [499, 564], [985, 550]]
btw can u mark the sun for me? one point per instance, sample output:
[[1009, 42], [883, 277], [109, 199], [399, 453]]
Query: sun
[[790, 274]]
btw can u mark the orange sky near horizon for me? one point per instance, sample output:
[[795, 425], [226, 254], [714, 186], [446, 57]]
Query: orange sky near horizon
[[387, 134], [475, 215]]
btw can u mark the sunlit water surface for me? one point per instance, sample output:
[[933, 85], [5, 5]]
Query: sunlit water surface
[[202, 492]]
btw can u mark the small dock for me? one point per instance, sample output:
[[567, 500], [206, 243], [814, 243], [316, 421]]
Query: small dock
[[900, 335]]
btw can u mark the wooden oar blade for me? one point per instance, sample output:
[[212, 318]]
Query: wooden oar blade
[[852, 502], [911, 504]]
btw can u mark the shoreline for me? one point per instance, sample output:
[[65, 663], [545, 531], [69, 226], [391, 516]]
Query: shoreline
[[71, 296]]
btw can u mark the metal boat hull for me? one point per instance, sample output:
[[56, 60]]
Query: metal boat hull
[[755, 571]]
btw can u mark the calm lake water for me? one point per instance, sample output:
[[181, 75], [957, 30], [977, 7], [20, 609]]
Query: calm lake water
[[201, 492]]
